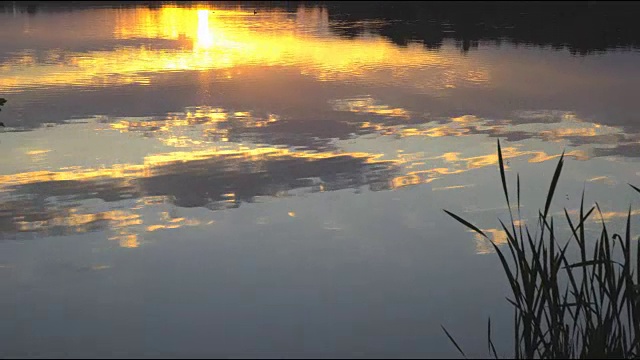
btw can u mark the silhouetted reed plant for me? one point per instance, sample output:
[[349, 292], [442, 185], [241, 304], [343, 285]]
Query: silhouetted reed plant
[[585, 305]]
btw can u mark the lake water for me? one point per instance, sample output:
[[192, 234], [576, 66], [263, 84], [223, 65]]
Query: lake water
[[206, 181]]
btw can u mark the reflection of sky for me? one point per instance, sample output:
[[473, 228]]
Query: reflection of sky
[[160, 128], [46, 201], [324, 96], [221, 40]]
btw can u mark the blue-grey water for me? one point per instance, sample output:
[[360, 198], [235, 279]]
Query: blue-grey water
[[209, 182]]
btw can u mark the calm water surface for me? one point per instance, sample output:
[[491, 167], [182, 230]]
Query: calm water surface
[[209, 182]]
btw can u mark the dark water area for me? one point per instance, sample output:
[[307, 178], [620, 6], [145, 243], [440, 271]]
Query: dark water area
[[579, 27], [267, 179]]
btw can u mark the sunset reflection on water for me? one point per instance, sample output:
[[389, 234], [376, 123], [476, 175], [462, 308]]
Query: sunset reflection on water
[[202, 172]]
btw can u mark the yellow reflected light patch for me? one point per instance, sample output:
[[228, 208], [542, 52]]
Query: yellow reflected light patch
[[209, 40], [37, 152]]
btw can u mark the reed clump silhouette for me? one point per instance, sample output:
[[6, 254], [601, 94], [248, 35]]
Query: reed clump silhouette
[[584, 305]]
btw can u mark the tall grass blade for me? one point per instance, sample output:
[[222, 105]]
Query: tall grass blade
[[454, 342], [518, 186], [589, 263], [466, 223], [552, 187], [502, 175], [492, 348]]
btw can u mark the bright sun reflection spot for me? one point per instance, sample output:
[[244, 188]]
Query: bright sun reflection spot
[[204, 39]]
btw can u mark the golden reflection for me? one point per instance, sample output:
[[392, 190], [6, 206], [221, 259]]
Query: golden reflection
[[204, 39], [100, 267], [80, 223], [201, 175], [608, 215], [118, 171], [226, 39], [402, 181], [578, 129], [368, 105], [37, 152], [58, 221], [568, 126], [466, 119], [437, 131], [162, 227], [127, 240], [605, 179], [155, 161], [129, 178], [508, 153], [214, 125], [540, 156], [175, 223], [598, 178], [452, 187], [483, 246], [450, 156], [456, 164]]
